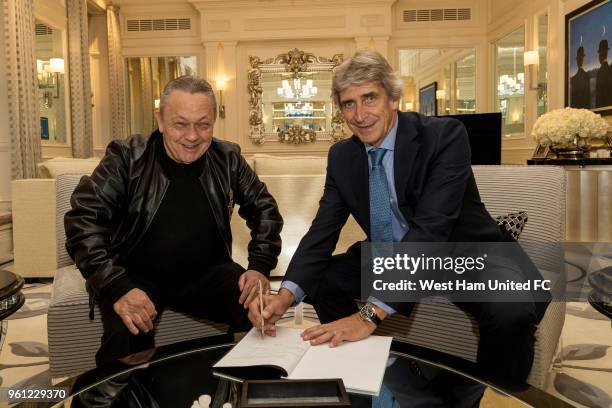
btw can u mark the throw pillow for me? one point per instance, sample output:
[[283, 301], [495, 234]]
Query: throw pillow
[[513, 222]]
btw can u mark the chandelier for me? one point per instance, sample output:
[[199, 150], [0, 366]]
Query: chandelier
[[298, 90], [510, 85]]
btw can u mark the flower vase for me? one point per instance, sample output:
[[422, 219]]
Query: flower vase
[[575, 149]]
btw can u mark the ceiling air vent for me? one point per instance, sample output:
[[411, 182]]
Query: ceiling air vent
[[446, 14], [42, 29], [159, 24]]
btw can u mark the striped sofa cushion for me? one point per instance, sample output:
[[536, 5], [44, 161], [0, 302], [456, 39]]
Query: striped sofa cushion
[[437, 324], [74, 339], [64, 187]]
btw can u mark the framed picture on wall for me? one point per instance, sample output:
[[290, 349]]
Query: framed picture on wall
[[588, 74], [44, 128], [427, 99]]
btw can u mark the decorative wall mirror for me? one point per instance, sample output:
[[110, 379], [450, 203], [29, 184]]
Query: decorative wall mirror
[[52, 84], [290, 99], [146, 78]]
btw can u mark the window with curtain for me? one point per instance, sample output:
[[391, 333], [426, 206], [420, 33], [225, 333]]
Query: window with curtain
[[465, 84], [543, 68], [510, 83]]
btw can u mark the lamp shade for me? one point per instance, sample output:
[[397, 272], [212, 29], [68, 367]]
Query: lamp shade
[[531, 58], [57, 65], [221, 82], [440, 94]]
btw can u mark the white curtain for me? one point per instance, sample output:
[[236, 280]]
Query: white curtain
[[80, 88], [24, 118], [116, 68]]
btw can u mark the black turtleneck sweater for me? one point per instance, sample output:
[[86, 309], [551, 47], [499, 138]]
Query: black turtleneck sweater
[[183, 238]]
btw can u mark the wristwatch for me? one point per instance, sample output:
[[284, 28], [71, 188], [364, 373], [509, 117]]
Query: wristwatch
[[368, 314]]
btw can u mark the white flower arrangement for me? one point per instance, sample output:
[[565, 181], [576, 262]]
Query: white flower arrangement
[[565, 125]]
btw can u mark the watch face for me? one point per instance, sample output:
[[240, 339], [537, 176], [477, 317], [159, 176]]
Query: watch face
[[367, 312]]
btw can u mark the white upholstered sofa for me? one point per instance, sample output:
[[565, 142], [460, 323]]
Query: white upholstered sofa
[[297, 185]]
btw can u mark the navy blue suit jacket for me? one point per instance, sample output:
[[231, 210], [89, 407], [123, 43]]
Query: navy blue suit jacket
[[436, 193]]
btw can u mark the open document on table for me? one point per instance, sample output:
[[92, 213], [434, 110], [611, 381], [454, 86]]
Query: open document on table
[[361, 364]]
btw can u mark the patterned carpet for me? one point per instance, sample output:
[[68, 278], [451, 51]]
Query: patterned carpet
[[24, 358], [584, 380]]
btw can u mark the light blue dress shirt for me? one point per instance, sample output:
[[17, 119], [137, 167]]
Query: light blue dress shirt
[[398, 222]]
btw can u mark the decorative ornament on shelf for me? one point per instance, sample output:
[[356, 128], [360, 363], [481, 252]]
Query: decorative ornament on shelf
[[567, 131], [296, 134]]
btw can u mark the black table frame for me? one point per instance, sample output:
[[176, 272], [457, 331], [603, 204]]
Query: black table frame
[[12, 293]]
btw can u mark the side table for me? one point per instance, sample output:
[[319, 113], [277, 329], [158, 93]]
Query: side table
[[601, 295], [11, 298]]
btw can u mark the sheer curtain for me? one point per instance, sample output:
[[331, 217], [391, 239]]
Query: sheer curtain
[[24, 122], [80, 89], [116, 68], [146, 96]]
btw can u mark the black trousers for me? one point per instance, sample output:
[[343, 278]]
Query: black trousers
[[213, 295], [507, 330]]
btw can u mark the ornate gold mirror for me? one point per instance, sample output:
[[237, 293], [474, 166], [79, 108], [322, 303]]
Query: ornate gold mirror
[[290, 99]]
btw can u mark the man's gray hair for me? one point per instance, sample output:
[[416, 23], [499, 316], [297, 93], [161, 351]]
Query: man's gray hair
[[363, 67], [189, 84]]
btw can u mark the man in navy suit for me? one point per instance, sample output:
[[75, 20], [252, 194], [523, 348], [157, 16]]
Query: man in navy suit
[[433, 198]]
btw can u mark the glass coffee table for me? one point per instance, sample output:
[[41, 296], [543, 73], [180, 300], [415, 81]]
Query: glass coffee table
[[176, 375], [11, 298]]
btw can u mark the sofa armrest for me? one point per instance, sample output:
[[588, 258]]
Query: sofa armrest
[[34, 227]]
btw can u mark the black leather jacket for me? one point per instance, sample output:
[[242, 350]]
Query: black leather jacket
[[112, 208]]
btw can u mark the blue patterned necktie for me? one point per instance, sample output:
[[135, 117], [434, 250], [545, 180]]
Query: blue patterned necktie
[[380, 207]]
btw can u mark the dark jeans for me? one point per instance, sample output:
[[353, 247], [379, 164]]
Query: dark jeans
[[506, 346], [213, 295]]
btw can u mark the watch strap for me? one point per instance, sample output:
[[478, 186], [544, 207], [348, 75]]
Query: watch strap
[[370, 315], [375, 319]]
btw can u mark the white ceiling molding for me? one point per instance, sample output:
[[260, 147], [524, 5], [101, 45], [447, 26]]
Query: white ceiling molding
[[287, 4], [238, 20]]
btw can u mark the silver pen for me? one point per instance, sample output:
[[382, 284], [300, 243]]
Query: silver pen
[[261, 307]]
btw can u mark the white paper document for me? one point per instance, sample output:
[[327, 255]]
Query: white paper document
[[360, 364]]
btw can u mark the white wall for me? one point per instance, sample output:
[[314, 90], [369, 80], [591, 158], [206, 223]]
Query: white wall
[[5, 155]]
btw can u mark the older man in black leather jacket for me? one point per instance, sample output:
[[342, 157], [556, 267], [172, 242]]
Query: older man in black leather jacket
[[150, 228]]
